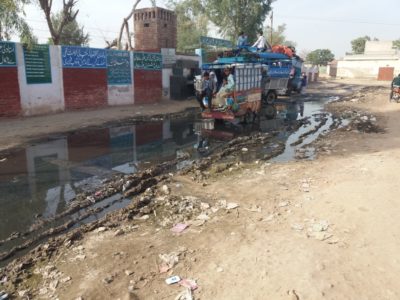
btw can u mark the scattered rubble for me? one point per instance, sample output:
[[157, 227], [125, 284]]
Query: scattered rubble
[[185, 295], [108, 279], [172, 280], [179, 228], [297, 227], [153, 197], [189, 284]]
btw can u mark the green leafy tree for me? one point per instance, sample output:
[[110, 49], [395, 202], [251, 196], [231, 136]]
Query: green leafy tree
[[67, 16], [12, 21], [192, 23], [396, 44], [320, 57], [72, 34], [278, 36], [358, 44], [234, 16]]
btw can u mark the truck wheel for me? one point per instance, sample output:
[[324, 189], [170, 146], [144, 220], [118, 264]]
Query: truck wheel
[[270, 97]]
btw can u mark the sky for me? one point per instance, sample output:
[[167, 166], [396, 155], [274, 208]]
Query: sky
[[312, 24]]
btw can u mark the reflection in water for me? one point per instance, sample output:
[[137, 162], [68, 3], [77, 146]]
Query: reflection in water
[[42, 179]]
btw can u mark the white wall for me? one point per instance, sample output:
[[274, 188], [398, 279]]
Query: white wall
[[37, 99], [188, 57], [365, 68], [166, 73], [379, 48], [122, 94], [58, 149]]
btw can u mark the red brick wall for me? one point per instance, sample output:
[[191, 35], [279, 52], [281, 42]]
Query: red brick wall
[[147, 86], [10, 99], [86, 145], [85, 88], [155, 28], [148, 133]]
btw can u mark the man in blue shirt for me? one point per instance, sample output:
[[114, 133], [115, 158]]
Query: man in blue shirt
[[242, 40], [208, 89]]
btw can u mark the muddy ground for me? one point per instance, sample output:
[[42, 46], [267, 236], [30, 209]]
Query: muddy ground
[[320, 228]]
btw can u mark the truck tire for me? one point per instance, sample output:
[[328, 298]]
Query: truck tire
[[270, 98]]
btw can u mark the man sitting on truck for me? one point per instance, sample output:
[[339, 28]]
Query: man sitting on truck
[[261, 44], [231, 81], [242, 40], [228, 87]]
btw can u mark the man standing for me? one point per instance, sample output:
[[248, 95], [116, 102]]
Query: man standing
[[208, 88]]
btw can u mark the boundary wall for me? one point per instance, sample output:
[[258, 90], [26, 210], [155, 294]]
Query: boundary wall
[[47, 79]]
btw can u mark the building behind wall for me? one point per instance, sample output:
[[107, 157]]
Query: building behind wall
[[379, 61], [155, 28]]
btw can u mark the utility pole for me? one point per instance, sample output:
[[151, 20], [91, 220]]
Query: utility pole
[[272, 27]]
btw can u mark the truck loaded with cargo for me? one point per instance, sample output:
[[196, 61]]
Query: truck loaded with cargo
[[256, 79]]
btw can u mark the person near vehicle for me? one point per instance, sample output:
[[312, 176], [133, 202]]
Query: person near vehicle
[[223, 91], [227, 88], [304, 81], [208, 88], [213, 77], [395, 82], [242, 40], [231, 80], [261, 43]]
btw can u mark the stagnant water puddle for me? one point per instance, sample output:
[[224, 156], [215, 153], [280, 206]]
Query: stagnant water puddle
[[40, 181]]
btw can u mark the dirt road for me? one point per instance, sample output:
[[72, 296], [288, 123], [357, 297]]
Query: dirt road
[[320, 229], [19, 131]]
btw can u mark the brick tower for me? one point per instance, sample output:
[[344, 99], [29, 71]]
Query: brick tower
[[155, 28]]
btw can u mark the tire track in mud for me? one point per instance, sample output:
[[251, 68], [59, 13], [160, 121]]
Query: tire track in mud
[[129, 186]]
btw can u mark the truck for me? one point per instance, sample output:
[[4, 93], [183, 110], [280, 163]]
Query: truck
[[259, 79]]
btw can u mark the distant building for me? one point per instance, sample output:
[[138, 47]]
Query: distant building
[[155, 28], [379, 61]]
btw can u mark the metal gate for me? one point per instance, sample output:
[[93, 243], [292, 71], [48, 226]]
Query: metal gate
[[386, 74]]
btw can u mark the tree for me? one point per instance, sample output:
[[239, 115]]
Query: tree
[[12, 21], [304, 53], [234, 16], [358, 44], [72, 34], [278, 36], [192, 23], [396, 44], [320, 57], [66, 16]]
